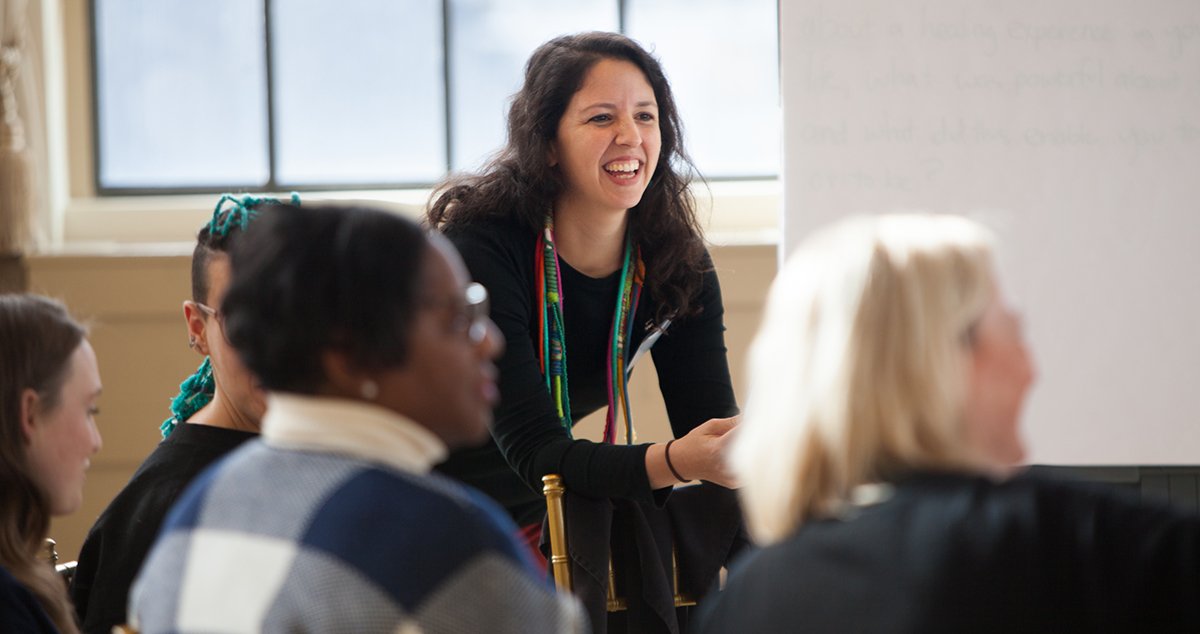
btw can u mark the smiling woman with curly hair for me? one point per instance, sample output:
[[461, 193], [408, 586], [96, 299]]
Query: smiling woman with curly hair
[[584, 232]]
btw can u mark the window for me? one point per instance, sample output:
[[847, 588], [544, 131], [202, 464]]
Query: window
[[355, 94], [180, 92], [723, 62]]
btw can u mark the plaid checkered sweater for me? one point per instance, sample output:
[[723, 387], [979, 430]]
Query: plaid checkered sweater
[[332, 523]]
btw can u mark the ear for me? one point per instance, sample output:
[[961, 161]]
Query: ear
[[31, 406], [552, 155], [342, 378], [197, 326]]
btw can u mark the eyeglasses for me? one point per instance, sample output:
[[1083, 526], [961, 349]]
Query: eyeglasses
[[212, 312], [206, 309], [216, 314], [470, 313]]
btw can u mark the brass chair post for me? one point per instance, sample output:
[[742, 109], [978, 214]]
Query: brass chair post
[[50, 551], [560, 561], [681, 600], [614, 602]]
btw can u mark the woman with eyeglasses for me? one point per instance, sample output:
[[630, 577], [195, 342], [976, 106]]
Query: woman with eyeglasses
[[49, 385], [376, 353], [583, 230], [879, 457], [218, 408]]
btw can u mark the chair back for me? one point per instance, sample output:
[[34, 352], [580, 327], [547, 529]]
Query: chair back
[[50, 554], [560, 558]]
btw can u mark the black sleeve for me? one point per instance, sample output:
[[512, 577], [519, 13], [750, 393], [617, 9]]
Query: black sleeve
[[693, 370], [526, 429]]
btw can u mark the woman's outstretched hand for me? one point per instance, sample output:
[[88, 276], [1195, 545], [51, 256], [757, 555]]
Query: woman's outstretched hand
[[700, 455]]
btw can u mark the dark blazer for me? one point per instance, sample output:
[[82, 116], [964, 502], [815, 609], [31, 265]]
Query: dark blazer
[[961, 553]]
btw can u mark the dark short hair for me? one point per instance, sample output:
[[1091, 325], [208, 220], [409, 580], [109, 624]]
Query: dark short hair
[[230, 218], [314, 278], [208, 244]]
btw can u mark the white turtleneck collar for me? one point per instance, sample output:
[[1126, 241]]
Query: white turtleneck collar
[[349, 427]]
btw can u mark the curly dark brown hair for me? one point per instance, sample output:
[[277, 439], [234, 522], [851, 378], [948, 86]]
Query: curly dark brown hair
[[520, 183]]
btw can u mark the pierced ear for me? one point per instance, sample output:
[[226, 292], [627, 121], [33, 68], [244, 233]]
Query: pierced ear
[[31, 405], [343, 378], [197, 326]]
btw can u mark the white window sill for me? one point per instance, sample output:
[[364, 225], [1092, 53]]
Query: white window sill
[[736, 213]]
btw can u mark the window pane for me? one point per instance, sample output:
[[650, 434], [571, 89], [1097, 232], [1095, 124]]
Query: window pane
[[181, 93], [490, 42], [721, 57], [358, 91]]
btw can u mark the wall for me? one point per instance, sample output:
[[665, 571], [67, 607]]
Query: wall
[[1070, 127], [12, 274], [134, 306], [138, 333]]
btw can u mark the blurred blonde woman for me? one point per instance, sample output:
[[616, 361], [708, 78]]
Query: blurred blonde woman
[[878, 457]]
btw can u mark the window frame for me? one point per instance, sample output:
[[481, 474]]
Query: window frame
[[272, 183], [739, 210]]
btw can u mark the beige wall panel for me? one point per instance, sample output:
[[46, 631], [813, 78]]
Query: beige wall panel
[[746, 272], [141, 364], [114, 287], [12, 273], [133, 304]]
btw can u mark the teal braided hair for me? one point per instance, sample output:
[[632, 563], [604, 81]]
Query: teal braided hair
[[197, 390]]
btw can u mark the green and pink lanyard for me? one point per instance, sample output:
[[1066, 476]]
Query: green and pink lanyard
[[552, 347]]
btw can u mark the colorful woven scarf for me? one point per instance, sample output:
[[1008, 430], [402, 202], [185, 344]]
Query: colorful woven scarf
[[552, 346]]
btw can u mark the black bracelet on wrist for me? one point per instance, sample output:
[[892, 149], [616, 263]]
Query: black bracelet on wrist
[[667, 454]]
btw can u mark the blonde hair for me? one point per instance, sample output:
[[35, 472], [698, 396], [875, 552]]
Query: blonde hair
[[858, 372]]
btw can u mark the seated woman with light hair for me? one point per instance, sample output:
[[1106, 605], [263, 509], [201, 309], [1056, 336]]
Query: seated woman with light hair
[[878, 455], [49, 387]]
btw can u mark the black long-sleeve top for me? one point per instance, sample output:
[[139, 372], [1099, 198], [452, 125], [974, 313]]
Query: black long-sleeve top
[[121, 538], [953, 552], [690, 359]]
